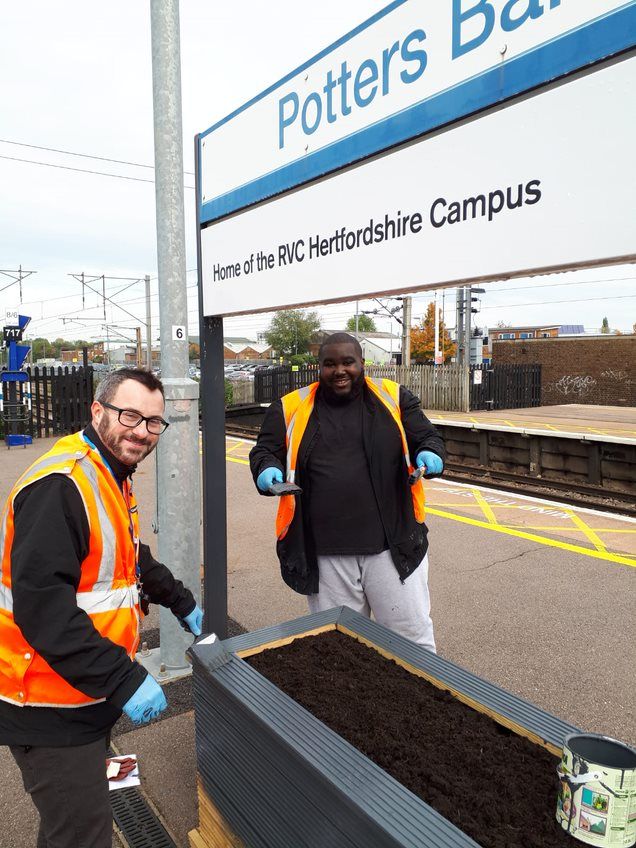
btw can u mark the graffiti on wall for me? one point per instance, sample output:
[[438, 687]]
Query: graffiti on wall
[[572, 385]]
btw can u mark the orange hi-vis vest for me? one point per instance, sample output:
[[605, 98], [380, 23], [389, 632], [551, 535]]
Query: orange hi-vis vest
[[107, 590], [298, 406]]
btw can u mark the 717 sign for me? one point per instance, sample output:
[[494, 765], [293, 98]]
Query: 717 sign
[[12, 334]]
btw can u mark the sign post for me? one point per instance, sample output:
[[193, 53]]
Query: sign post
[[435, 145]]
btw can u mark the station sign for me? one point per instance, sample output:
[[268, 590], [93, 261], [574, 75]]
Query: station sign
[[414, 66], [539, 186], [11, 318]]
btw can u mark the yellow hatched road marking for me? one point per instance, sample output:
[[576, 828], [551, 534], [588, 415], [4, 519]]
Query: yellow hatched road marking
[[541, 540], [589, 532], [485, 506], [561, 528], [509, 531], [236, 459], [233, 448]]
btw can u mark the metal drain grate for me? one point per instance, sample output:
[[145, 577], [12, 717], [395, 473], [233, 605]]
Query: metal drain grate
[[140, 827]]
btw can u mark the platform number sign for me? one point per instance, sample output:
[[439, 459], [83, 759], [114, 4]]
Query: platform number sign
[[178, 333]]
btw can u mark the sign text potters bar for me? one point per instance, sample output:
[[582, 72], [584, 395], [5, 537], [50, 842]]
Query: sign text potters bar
[[414, 66]]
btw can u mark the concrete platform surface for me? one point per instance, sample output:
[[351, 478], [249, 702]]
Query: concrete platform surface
[[549, 623], [570, 418]]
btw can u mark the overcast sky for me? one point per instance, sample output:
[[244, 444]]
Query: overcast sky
[[77, 77]]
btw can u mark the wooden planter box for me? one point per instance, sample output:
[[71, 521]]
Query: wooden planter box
[[271, 775]]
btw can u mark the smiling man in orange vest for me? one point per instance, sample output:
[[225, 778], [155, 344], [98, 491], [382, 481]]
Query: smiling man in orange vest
[[356, 535], [75, 577]]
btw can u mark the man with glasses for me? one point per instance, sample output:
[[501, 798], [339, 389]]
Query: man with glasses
[[76, 580]]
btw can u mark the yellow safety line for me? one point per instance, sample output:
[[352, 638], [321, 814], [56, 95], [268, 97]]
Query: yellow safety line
[[541, 540], [234, 447], [236, 459], [474, 420], [562, 529], [511, 423], [551, 427], [589, 532], [485, 506]]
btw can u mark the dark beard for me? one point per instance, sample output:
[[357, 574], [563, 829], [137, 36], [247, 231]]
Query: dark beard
[[340, 400]]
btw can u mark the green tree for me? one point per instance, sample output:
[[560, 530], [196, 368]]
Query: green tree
[[605, 327], [366, 324], [290, 331]]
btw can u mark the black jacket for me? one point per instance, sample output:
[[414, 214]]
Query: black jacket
[[389, 477], [51, 540]]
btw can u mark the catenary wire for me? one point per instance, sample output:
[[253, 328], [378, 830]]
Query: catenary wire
[[81, 170], [83, 155]]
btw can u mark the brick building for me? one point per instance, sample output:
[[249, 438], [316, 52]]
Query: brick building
[[577, 369]]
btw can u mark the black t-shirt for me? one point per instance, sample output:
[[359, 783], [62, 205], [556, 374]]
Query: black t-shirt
[[342, 508]]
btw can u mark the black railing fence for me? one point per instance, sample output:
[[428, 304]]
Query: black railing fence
[[505, 386], [61, 399]]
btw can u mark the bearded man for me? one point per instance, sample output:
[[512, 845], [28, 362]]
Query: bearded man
[[356, 535], [75, 582]]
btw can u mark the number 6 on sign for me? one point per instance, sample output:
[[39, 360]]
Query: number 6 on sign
[[178, 333]]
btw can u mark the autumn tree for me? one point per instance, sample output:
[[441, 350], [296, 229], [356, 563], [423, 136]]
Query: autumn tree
[[366, 324], [423, 338]]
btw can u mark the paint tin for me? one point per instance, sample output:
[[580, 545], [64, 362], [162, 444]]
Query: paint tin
[[597, 792]]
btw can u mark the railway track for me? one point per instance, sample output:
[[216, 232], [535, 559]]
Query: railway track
[[564, 492]]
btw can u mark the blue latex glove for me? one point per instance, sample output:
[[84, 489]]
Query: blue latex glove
[[194, 620], [431, 461], [267, 477], [146, 703]]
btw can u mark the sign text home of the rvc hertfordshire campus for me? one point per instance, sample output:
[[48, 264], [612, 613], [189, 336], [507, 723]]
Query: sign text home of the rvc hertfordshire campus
[[414, 66]]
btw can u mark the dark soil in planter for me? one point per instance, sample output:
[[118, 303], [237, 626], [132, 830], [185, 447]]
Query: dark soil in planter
[[496, 786]]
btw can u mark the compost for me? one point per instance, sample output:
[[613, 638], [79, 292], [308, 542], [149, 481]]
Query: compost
[[496, 786]]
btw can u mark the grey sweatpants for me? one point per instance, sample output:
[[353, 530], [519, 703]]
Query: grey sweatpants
[[370, 584]]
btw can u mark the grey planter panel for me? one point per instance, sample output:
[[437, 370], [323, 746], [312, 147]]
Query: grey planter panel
[[282, 779]]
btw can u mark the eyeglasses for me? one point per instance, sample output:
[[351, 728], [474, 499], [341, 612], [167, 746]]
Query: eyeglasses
[[132, 419]]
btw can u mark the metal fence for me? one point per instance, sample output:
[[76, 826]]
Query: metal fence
[[438, 387], [443, 387], [61, 399], [505, 386]]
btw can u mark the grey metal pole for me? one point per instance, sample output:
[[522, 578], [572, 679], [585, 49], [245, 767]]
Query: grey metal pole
[[469, 314], [179, 494], [148, 326], [407, 304], [459, 326]]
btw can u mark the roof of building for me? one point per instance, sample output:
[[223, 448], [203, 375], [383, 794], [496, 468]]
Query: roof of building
[[241, 346], [390, 344]]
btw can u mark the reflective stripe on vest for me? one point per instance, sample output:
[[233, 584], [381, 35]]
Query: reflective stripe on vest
[[297, 409], [107, 590]]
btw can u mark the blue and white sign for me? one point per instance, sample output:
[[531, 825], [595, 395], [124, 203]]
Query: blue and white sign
[[546, 184], [414, 66]]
